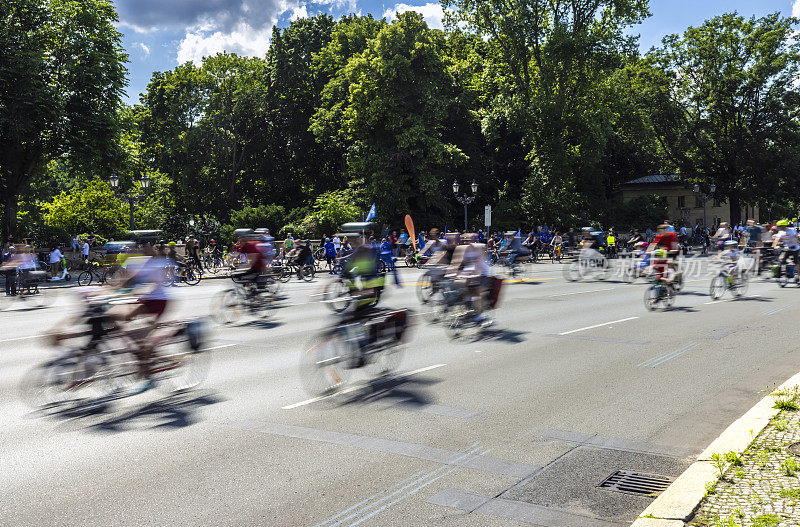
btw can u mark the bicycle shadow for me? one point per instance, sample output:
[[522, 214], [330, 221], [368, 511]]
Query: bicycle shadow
[[393, 391], [261, 324], [500, 335], [171, 412]]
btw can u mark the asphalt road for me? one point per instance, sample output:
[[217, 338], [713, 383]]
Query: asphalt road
[[519, 426]]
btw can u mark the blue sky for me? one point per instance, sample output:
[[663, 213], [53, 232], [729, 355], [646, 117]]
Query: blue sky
[[160, 34]]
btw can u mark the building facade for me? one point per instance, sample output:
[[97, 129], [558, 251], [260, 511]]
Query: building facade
[[685, 207]]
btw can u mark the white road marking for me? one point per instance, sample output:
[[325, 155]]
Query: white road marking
[[21, 338], [355, 388], [220, 347], [655, 361], [598, 325], [582, 292]]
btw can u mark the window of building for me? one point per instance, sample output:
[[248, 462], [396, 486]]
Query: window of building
[[681, 202], [718, 202]]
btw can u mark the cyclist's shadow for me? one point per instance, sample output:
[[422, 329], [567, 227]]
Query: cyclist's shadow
[[400, 391], [170, 412]]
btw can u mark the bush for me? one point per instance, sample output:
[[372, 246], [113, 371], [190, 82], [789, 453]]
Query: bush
[[93, 208], [271, 216]]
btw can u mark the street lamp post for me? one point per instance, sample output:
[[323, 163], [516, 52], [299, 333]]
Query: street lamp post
[[705, 198], [131, 197], [465, 199]]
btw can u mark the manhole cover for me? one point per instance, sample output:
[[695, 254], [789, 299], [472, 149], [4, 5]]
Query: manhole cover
[[636, 483], [794, 448]]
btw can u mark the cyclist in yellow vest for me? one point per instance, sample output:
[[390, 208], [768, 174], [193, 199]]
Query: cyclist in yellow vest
[[611, 243]]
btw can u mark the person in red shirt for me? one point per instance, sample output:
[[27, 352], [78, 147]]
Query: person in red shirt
[[668, 241]]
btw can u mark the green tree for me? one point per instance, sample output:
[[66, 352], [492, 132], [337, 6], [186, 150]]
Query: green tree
[[93, 208], [399, 96], [545, 87], [63, 74], [722, 98], [331, 210]]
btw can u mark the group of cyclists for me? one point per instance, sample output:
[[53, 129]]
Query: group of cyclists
[[459, 279]]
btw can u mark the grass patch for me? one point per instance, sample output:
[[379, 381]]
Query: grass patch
[[787, 404], [766, 520], [790, 493], [789, 467], [734, 459], [781, 424]]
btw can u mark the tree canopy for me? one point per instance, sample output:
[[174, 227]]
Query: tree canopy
[[547, 105]]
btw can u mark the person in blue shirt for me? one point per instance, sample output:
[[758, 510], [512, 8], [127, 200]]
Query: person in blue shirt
[[330, 254], [481, 236], [385, 254]]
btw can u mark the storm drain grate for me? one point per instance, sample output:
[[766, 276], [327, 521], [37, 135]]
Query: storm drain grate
[[636, 483]]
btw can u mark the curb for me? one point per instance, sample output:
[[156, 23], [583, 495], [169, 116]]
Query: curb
[[676, 506]]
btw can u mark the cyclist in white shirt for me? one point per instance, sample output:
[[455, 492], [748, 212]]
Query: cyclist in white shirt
[[787, 236]]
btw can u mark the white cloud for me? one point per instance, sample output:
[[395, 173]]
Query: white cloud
[[299, 12], [248, 35], [204, 41], [145, 48], [432, 13], [796, 8]]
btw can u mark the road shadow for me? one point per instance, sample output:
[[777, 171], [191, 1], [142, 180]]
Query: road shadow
[[685, 309], [258, 323], [168, 413], [499, 334], [401, 390]]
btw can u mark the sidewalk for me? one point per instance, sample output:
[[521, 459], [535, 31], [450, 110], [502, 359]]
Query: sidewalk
[[748, 477], [762, 486]]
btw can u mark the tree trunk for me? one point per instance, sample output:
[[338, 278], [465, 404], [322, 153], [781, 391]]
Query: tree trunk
[[736, 209], [10, 217]]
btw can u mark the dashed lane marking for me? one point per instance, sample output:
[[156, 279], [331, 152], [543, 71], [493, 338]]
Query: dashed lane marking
[[598, 325], [355, 388]]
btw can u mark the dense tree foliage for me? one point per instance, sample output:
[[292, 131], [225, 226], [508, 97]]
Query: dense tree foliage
[[62, 75], [546, 104]]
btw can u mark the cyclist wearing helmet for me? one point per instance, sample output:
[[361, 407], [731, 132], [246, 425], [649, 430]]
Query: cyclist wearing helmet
[[730, 255], [787, 236]]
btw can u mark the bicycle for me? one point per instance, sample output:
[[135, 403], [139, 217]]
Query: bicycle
[[374, 344], [227, 307], [660, 294], [189, 274], [587, 267], [95, 273], [28, 292], [106, 369], [734, 281]]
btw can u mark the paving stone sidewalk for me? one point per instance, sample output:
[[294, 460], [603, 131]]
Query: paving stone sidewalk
[[760, 488]]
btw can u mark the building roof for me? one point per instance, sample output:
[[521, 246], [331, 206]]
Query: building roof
[[655, 180]]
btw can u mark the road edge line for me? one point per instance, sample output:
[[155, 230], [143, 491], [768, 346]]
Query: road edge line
[[682, 499]]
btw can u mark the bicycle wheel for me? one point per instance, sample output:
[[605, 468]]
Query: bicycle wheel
[[652, 298], [192, 276], [307, 272], [572, 272], [322, 366], [337, 296], [284, 274], [85, 278], [718, 286], [226, 307], [385, 362], [180, 367], [739, 288], [424, 288]]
